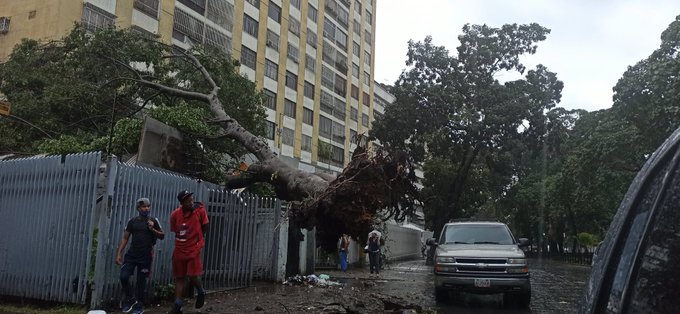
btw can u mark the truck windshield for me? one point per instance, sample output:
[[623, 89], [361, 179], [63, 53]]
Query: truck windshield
[[477, 234]]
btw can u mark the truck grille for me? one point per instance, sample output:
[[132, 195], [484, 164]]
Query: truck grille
[[481, 265], [480, 260]]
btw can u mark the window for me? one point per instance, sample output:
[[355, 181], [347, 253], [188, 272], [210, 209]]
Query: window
[[337, 12], [367, 58], [271, 69], [196, 5], [329, 30], [216, 40], [364, 119], [367, 79], [340, 86], [250, 25], [294, 26], [289, 108], [341, 63], [291, 80], [311, 37], [341, 39], [293, 53], [367, 36], [338, 132], [275, 12], [356, 49], [328, 53], [308, 116], [185, 25], [288, 136], [272, 40], [295, 3], [355, 92], [269, 99], [248, 57], [149, 7], [222, 13], [355, 70], [92, 19], [354, 114], [269, 129], [255, 3], [306, 143], [325, 126], [327, 77], [352, 135], [310, 63], [357, 27], [338, 156], [367, 99], [312, 13], [357, 6], [339, 108], [369, 17], [309, 90]]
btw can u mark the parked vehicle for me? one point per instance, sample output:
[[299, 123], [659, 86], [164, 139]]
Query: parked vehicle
[[636, 267], [483, 258]]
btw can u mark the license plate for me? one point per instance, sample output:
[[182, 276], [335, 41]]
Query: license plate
[[482, 283]]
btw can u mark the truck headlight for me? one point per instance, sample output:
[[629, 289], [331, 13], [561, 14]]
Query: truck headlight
[[517, 260], [445, 259]]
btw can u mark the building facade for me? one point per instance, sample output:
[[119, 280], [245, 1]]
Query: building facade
[[313, 59]]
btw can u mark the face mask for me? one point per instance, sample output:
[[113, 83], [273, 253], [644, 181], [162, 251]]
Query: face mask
[[143, 214]]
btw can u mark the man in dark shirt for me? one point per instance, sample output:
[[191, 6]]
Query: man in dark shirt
[[144, 230]]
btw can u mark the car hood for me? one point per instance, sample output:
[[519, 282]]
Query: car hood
[[480, 250]]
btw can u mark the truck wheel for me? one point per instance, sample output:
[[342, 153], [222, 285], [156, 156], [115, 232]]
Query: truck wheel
[[522, 299], [440, 295]]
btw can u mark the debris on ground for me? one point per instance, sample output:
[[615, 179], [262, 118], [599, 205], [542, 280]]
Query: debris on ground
[[311, 280]]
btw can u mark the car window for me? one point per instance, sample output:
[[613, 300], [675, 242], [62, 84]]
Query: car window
[[477, 234], [654, 287]]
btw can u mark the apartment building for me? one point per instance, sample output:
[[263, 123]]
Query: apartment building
[[313, 59]]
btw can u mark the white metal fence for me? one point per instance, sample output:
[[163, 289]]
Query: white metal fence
[[63, 222], [47, 226]]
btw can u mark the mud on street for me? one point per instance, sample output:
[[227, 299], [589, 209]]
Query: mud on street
[[404, 287]]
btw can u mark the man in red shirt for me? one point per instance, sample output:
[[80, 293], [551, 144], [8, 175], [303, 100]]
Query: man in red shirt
[[189, 222]]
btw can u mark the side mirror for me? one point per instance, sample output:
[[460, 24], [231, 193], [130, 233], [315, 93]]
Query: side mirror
[[523, 242], [431, 241]]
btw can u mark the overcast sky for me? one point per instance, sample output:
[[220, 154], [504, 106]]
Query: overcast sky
[[591, 44]]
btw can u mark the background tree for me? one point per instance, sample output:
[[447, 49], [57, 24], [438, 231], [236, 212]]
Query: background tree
[[73, 90], [452, 113]]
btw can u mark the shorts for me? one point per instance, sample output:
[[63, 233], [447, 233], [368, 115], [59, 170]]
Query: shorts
[[183, 266]]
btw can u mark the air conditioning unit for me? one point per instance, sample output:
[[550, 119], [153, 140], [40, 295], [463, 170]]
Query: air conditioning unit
[[270, 43], [4, 24]]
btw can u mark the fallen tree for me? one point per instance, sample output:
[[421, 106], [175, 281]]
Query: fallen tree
[[136, 68]]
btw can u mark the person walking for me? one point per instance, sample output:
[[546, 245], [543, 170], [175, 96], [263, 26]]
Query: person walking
[[189, 222], [344, 248], [374, 252], [144, 231]]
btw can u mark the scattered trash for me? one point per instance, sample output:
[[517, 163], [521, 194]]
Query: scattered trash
[[311, 280]]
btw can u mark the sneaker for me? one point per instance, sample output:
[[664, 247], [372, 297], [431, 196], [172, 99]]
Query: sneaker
[[128, 305], [138, 309], [176, 310], [200, 299]]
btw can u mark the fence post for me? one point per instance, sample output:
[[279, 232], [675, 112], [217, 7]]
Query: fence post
[[104, 225]]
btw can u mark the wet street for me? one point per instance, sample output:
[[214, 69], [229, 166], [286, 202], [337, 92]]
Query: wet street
[[556, 288]]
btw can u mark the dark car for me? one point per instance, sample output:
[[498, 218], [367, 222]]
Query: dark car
[[637, 266]]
